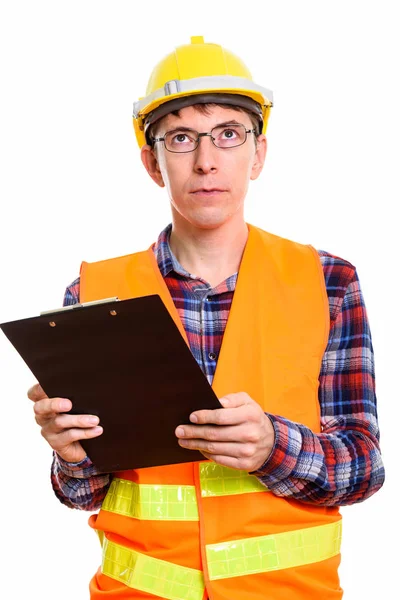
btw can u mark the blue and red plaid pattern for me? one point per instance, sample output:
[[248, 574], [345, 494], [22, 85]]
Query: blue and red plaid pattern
[[342, 464]]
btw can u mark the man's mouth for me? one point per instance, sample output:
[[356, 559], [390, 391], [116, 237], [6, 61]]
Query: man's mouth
[[208, 191]]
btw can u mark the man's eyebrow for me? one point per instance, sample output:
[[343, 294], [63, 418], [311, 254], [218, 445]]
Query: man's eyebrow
[[182, 128], [230, 122]]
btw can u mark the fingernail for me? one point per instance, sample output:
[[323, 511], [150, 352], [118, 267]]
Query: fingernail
[[180, 432], [92, 420], [193, 418], [65, 404]]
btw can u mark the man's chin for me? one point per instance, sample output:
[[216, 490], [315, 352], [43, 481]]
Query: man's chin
[[209, 222], [207, 218]]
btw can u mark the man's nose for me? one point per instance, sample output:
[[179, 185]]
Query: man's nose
[[205, 155]]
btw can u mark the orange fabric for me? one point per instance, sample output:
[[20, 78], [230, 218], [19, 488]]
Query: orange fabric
[[175, 475], [273, 353]]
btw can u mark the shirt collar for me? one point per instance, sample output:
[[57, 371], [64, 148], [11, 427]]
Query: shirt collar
[[166, 260]]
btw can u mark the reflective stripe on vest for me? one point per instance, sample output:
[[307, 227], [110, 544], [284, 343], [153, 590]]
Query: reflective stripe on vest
[[216, 480], [228, 559], [152, 502], [151, 575], [273, 552], [177, 502]]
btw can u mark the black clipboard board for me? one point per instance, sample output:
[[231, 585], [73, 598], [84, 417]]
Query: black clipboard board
[[126, 362]]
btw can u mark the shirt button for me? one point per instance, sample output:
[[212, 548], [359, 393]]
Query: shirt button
[[212, 356]]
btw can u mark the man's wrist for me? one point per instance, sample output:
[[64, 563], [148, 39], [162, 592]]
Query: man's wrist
[[80, 470], [285, 451]]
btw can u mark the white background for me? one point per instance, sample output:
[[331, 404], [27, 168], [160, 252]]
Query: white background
[[72, 188]]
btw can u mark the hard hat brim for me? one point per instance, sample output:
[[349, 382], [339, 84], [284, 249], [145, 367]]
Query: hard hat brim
[[179, 103]]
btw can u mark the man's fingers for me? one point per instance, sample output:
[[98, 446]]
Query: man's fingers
[[36, 392], [221, 416], [213, 433], [60, 441], [233, 449], [236, 400], [62, 422], [230, 414], [67, 444], [49, 407]]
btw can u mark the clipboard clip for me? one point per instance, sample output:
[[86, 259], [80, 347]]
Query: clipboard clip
[[79, 305]]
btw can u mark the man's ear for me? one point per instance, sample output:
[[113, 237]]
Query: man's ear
[[259, 157], [150, 162]]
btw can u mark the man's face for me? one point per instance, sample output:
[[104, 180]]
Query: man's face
[[206, 187]]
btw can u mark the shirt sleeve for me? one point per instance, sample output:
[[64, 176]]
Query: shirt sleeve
[[77, 485], [342, 464]]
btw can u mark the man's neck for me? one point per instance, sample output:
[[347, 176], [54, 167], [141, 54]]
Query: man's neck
[[212, 254]]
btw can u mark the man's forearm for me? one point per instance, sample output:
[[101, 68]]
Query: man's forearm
[[340, 466]]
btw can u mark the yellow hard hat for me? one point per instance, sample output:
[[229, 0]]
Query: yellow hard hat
[[199, 73]]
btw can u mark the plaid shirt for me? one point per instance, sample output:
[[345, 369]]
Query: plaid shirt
[[342, 464]]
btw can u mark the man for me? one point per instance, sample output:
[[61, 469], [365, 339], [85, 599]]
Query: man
[[297, 434]]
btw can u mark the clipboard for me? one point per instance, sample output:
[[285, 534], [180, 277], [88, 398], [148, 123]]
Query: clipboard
[[126, 362]]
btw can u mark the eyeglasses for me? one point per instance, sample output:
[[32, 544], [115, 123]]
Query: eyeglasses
[[186, 140]]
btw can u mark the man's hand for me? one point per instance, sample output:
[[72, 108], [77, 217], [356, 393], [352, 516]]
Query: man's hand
[[62, 431], [239, 435]]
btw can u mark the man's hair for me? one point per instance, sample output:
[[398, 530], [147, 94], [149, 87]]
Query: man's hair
[[204, 109]]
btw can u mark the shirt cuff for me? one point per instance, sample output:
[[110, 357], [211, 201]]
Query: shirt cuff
[[285, 452], [80, 470]]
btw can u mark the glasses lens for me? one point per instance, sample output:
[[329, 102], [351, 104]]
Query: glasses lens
[[184, 140], [228, 136]]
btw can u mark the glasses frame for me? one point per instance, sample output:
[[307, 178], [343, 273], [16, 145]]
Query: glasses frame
[[204, 134]]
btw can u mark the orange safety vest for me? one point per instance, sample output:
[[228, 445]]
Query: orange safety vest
[[197, 530]]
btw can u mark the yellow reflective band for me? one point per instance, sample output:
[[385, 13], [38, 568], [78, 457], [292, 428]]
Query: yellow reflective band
[[216, 480], [273, 552], [151, 575], [152, 502]]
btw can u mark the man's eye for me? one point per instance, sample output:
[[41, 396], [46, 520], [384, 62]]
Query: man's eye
[[181, 137], [229, 133]]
